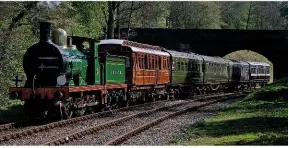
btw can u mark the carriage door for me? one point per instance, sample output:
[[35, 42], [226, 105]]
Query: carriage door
[[156, 71]]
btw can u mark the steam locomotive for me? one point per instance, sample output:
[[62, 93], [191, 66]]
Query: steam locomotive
[[70, 76]]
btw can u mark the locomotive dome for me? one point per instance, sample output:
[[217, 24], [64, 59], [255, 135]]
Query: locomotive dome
[[60, 37]]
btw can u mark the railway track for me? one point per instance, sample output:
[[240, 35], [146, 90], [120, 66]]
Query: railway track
[[151, 122], [16, 124], [10, 131], [85, 122], [25, 124], [132, 124]]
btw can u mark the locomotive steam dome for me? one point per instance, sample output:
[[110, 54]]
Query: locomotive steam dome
[[60, 37]]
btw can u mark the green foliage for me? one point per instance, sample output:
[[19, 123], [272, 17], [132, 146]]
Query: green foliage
[[153, 15], [234, 14], [271, 91], [255, 120], [90, 17], [195, 15], [11, 110]]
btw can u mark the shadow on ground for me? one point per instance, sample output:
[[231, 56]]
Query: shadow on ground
[[12, 113]]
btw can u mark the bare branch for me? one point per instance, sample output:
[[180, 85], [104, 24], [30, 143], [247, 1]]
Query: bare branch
[[118, 4], [15, 21], [105, 17], [140, 5], [33, 16]]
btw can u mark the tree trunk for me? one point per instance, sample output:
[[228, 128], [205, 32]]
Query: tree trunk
[[248, 19], [129, 20], [117, 24], [110, 22]]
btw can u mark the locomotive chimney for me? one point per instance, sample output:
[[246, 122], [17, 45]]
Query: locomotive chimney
[[45, 31]]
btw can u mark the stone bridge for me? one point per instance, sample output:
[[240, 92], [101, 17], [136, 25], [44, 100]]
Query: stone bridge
[[273, 44]]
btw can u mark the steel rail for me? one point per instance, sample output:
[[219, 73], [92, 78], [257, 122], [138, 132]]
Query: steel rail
[[142, 128], [95, 128]]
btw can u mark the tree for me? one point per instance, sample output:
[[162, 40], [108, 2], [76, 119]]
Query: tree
[[194, 15], [152, 15], [122, 16], [235, 15], [268, 16]]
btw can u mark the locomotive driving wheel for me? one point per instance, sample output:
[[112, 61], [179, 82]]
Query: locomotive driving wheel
[[79, 112], [67, 110]]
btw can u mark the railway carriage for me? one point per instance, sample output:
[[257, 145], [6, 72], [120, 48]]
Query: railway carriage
[[217, 73], [186, 73], [259, 73], [240, 74], [147, 68]]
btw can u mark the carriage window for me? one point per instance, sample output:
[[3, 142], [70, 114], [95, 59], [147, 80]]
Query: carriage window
[[139, 61], [267, 70], [149, 62], [179, 66], [134, 60], [155, 62], [152, 62], [253, 70], [168, 62], [142, 62], [145, 61], [164, 63], [160, 63], [186, 67]]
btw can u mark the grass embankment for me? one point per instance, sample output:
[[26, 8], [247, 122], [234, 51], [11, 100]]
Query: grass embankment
[[247, 55], [260, 119]]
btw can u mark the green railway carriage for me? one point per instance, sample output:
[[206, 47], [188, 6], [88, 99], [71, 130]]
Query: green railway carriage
[[216, 70], [186, 68], [240, 72]]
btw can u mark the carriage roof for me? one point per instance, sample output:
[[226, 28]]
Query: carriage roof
[[237, 62], [215, 59], [136, 47], [184, 55], [258, 63]]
